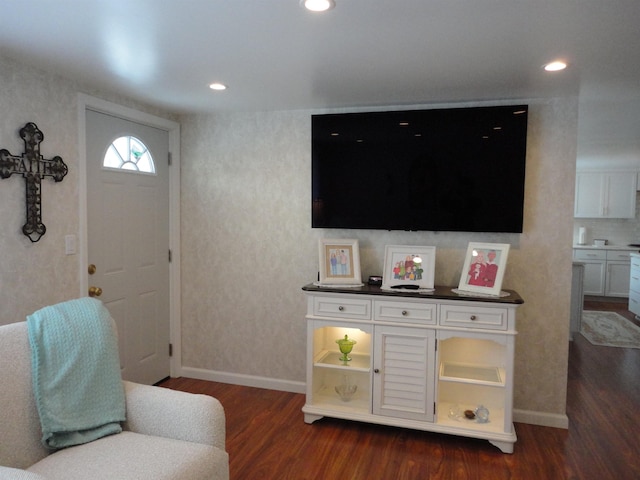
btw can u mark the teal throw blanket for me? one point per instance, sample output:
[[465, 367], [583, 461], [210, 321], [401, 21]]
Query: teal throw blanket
[[76, 372]]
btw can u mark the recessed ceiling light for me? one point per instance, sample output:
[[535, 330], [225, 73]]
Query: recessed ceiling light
[[555, 66], [318, 5], [218, 86]]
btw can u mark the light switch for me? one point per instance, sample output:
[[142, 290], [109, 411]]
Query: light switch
[[70, 244]]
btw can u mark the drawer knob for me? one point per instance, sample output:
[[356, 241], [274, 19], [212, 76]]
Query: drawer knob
[[473, 317], [376, 370], [341, 308], [404, 313]]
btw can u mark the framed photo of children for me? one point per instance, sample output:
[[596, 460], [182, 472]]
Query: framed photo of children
[[339, 262], [484, 267], [408, 267]]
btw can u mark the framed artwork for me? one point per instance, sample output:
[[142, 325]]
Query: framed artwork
[[339, 262], [408, 267], [484, 267]]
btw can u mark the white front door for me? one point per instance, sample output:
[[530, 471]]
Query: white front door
[[128, 237]]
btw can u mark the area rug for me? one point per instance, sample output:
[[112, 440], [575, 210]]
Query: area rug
[[609, 329]]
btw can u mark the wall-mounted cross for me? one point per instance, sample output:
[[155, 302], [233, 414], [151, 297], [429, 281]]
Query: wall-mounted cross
[[33, 168]]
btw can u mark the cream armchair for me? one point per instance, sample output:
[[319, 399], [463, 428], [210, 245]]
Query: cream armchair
[[167, 434]]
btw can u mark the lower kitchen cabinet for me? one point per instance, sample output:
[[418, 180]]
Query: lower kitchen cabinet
[[634, 284], [439, 362], [606, 271]]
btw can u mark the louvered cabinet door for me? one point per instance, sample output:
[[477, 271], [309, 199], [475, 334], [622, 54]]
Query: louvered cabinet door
[[404, 372]]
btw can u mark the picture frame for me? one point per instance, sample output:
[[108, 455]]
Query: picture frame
[[401, 270], [339, 262], [484, 267]]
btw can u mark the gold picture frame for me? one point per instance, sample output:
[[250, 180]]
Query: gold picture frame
[[339, 262]]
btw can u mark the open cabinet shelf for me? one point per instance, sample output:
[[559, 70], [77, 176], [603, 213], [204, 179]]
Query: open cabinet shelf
[[474, 374], [329, 359]]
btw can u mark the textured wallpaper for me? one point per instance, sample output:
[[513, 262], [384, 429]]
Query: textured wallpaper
[[248, 248], [33, 275], [247, 245]]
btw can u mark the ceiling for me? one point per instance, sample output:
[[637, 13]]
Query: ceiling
[[275, 55]]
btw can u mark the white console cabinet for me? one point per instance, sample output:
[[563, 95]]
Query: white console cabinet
[[420, 360]]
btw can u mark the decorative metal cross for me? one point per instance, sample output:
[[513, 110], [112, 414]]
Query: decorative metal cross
[[33, 168]]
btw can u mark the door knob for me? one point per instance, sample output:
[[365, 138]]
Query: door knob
[[91, 269], [95, 291]]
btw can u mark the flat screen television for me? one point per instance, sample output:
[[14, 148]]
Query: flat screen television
[[456, 169]]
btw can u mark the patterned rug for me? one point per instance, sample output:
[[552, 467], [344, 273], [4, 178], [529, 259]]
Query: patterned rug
[[609, 329]]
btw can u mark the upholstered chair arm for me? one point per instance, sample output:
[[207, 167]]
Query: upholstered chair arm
[[7, 473], [173, 414]]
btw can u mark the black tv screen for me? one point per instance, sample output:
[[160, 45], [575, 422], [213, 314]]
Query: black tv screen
[[459, 169]]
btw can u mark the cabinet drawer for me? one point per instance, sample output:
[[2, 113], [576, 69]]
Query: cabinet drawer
[[619, 255], [342, 308], [584, 254], [405, 312], [473, 317]]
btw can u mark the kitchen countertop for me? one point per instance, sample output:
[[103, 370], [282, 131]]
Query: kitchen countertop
[[609, 247]]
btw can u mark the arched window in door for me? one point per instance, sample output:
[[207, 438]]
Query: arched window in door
[[129, 153]]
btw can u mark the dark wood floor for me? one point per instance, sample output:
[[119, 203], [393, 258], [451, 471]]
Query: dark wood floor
[[268, 439]]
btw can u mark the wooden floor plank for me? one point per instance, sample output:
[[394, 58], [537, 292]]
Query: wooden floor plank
[[268, 439]]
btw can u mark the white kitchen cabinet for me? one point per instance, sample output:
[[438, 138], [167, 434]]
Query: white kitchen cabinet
[[618, 271], [419, 360], [606, 271], [605, 194], [634, 284], [595, 269]]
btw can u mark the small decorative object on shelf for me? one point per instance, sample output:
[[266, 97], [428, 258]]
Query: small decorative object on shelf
[[454, 412], [346, 390], [470, 414], [482, 414], [346, 345]]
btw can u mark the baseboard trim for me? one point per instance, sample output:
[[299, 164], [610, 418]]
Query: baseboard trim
[[543, 419], [244, 380]]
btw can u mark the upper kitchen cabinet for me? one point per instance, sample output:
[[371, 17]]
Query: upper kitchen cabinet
[[606, 194]]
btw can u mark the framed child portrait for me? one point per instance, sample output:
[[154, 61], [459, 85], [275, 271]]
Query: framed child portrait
[[339, 262], [484, 267], [408, 267]]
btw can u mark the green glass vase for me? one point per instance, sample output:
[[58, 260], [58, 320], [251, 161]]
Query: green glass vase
[[346, 345]]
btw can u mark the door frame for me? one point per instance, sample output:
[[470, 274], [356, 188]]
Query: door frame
[[87, 102]]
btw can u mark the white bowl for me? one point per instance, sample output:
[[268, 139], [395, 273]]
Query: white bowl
[[346, 391]]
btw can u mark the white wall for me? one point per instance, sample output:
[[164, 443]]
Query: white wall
[[33, 275], [248, 249]]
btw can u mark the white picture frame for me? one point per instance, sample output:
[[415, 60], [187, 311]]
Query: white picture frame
[[339, 262], [401, 270], [484, 267]]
